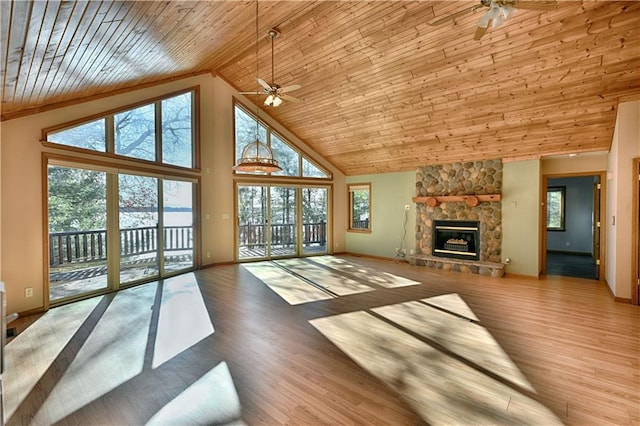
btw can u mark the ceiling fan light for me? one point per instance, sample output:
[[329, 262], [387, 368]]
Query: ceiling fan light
[[277, 101], [498, 21], [484, 20], [269, 100], [508, 11], [494, 12]]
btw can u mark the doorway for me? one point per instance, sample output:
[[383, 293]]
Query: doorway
[[573, 233], [107, 229], [635, 283], [276, 221]]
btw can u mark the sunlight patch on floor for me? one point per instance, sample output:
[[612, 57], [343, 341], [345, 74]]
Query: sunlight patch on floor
[[113, 353], [369, 275], [211, 400], [449, 369], [292, 289], [452, 303], [335, 283], [183, 320], [24, 366]]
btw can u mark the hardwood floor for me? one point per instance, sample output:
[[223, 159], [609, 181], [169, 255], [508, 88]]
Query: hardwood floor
[[571, 265], [417, 346]]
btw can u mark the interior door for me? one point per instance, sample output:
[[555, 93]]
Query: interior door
[[635, 295], [596, 225]]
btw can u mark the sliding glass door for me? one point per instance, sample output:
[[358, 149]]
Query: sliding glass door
[[280, 221], [77, 210], [252, 229], [138, 222], [108, 229], [314, 220], [177, 223], [282, 218]]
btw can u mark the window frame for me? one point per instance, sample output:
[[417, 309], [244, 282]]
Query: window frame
[[351, 189], [562, 191], [108, 117], [302, 154]]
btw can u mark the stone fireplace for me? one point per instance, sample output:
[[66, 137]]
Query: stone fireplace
[[470, 193]]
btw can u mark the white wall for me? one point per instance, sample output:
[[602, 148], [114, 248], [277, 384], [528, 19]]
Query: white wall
[[21, 212], [521, 216], [390, 192], [620, 181]]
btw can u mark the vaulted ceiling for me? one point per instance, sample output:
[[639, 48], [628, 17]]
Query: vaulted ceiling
[[382, 89]]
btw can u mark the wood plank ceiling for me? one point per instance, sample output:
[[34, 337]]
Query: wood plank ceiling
[[382, 89]]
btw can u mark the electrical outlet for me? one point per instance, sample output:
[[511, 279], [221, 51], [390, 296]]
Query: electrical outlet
[[28, 292], [407, 207]]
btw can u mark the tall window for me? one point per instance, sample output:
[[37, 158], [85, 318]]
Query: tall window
[[111, 223], [293, 162], [160, 131], [555, 208], [359, 207]]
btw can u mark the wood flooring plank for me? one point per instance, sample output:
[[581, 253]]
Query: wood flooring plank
[[445, 349]]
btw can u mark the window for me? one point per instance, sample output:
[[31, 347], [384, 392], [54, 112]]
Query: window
[[92, 209], [555, 208], [91, 135], [293, 162], [135, 133], [160, 131], [288, 158], [359, 207]]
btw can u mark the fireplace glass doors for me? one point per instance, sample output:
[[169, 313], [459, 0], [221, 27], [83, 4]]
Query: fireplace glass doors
[[458, 239]]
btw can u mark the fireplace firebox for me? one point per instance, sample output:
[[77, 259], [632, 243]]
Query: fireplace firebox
[[458, 239]]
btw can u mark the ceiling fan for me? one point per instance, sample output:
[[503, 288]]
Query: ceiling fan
[[498, 11], [275, 94]]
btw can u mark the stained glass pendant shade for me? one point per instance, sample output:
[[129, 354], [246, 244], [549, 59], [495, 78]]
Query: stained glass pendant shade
[[257, 157]]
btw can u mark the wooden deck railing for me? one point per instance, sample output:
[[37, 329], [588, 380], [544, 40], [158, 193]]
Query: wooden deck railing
[[91, 245], [283, 235]]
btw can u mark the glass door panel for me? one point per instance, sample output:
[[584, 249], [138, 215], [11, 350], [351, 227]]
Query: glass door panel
[[314, 220], [138, 219], [282, 235], [77, 217], [252, 221], [177, 220]]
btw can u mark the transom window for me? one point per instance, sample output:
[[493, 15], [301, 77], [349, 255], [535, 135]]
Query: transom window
[[293, 162], [160, 131]]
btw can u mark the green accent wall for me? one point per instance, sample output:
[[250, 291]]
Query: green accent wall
[[390, 192], [521, 216]]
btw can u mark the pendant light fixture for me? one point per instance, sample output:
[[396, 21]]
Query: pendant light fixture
[[256, 156]]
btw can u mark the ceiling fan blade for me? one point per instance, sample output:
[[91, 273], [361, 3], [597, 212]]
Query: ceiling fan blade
[[264, 84], [536, 5], [289, 88], [290, 98], [251, 93], [481, 31], [455, 15]]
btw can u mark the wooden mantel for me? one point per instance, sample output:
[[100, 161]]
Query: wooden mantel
[[470, 200]]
